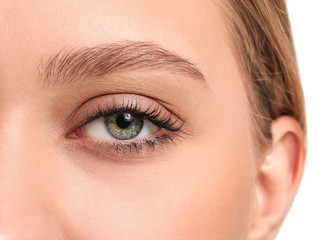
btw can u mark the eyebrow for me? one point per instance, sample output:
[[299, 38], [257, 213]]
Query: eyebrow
[[68, 66]]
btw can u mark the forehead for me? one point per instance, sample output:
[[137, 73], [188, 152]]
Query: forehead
[[109, 17], [40, 28]]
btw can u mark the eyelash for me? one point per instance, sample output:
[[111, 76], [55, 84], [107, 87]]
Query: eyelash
[[154, 114]]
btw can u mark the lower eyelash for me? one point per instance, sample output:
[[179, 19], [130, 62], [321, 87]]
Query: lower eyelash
[[137, 146], [117, 149]]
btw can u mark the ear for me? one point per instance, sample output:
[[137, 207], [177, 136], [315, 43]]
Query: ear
[[279, 178]]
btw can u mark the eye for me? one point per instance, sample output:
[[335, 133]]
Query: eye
[[119, 126], [123, 124]]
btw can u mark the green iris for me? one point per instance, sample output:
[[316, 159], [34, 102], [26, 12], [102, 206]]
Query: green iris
[[124, 126]]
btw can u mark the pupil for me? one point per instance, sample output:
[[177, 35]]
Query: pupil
[[124, 120]]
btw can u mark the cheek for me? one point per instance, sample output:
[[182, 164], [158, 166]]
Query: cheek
[[220, 197], [201, 191]]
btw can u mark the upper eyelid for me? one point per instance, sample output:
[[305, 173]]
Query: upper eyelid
[[106, 102], [174, 110]]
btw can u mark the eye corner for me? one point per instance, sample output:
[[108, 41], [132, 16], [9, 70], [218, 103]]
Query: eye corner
[[74, 134]]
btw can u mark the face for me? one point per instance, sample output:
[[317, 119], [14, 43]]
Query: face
[[122, 120]]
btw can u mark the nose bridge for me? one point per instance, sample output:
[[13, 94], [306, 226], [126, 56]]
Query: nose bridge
[[24, 212], [26, 208]]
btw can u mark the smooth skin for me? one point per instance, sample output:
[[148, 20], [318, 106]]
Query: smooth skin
[[209, 185]]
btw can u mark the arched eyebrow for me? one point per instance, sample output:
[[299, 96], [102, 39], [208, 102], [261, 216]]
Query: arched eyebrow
[[68, 66]]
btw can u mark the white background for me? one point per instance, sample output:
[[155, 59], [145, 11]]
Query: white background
[[313, 215]]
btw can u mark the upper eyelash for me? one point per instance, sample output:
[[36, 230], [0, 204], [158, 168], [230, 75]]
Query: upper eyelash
[[153, 114]]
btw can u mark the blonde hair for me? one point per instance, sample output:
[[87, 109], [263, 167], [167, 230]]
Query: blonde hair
[[262, 34]]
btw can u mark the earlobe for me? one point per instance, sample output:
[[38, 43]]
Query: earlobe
[[278, 178]]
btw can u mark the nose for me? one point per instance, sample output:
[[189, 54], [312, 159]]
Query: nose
[[26, 211]]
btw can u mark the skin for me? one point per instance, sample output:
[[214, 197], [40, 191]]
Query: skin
[[209, 185]]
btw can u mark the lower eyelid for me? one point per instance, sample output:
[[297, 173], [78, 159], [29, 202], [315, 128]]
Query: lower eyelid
[[124, 151]]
